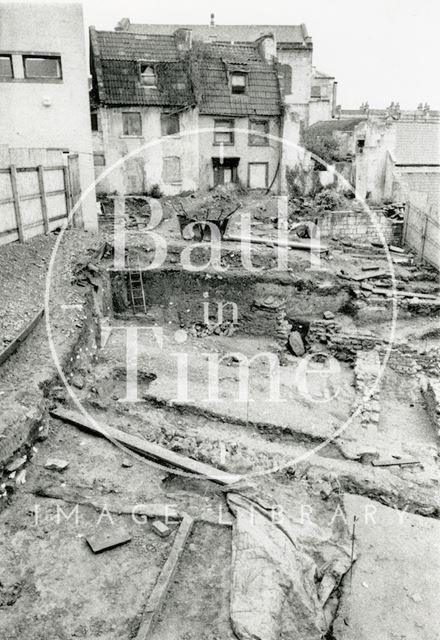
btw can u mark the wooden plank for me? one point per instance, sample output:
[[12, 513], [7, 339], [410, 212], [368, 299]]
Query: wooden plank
[[307, 245], [17, 210], [148, 509], [390, 462], [56, 167], [160, 589], [373, 274], [43, 199], [146, 448], [370, 267], [13, 346]]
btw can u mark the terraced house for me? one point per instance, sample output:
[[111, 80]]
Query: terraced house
[[188, 111]]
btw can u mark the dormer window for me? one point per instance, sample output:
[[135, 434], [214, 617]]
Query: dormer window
[[238, 82], [147, 75]]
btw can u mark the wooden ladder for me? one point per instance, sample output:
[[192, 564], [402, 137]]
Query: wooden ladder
[[137, 293]]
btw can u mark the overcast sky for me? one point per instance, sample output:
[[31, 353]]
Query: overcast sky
[[379, 50]]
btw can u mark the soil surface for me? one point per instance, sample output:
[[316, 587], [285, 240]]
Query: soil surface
[[53, 587]]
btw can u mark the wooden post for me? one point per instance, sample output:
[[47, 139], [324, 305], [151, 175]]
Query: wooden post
[[425, 228], [67, 190], [43, 198], [16, 203]]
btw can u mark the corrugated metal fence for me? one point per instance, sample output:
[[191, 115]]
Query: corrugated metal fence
[[422, 233], [33, 200]]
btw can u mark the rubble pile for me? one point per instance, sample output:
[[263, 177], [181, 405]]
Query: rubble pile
[[432, 397], [202, 330]]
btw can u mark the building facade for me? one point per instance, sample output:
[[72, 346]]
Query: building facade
[[292, 46], [172, 114], [44, 101]]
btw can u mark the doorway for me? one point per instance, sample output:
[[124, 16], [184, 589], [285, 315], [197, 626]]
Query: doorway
[[225, 170]]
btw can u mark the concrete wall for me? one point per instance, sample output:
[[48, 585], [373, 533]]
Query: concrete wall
[[41, 114], [139, 173], [240, 149]]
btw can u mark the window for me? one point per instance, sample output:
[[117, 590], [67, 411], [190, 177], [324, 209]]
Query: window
[[238, 82], [224, 132], [42, 67], [258, 175], [6, 67], [171, 172], [170, 124], [131, 124], [147, 75], [360, 144], [259, 129], [94, 120], [316, 92]]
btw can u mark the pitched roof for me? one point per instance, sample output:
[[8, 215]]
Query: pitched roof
[[213, 67], [284, 34], [321, 74], [115, 65], [417, 143], [117, 45], [324, 127], [115, 62]]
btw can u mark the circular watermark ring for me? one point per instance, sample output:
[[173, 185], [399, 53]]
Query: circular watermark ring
[[367, 393]]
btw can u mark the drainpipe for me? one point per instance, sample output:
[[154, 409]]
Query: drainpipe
[[334, 96]]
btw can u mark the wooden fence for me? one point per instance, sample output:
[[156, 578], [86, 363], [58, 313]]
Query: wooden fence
[[422, 233], [33, 200]]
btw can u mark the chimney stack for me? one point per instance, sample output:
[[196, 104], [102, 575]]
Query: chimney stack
[[212, 22], [183, 39]]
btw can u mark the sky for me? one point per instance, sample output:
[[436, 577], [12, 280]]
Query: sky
[[378, 50]]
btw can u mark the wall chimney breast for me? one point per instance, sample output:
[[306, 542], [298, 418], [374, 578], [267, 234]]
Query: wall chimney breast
[[267, 47]]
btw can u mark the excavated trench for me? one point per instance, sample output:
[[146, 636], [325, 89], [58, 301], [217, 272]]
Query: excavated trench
[[268, 309]]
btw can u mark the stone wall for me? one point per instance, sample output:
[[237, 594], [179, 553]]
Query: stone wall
[[360, 225], [367, 370], [403, 358]]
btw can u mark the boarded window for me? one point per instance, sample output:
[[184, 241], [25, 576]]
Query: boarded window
[[316, 91], [223, 132], [258, 175], [6, 67], [42, 67], [98, 159], [148, 75], [131, 124], [258, 135], [238, 82], [171, 172], [170, 124]]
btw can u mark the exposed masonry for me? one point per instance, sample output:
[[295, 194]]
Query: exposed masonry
[[402, 357], [367, 369]]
